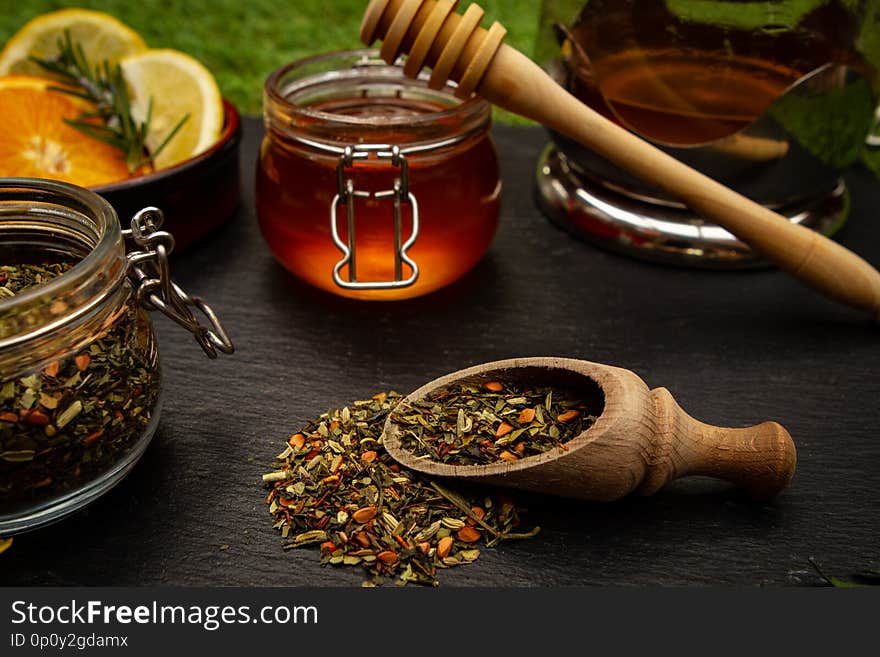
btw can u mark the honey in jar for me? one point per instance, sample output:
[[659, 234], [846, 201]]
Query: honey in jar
[[370, 185]]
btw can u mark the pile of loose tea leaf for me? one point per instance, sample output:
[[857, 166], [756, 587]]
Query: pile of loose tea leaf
[[334, 486], [72, 420], [482, 424]]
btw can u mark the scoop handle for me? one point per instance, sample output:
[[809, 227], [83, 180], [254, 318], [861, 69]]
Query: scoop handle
[[760, 459]]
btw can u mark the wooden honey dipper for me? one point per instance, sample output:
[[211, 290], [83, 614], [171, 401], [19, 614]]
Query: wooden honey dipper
[[457, 48]]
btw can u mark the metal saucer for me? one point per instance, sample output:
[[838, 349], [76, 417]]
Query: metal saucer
[[619, 220]]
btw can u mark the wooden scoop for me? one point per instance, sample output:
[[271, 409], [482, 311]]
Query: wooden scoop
[[641, 440], [454, 45]]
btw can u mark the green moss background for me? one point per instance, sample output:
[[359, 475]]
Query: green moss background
[[242, 41]]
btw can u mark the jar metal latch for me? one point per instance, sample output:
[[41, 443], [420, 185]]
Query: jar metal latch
[[149, 273], [399, 194]]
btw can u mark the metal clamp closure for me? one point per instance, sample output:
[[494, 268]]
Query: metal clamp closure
[[149, 274], [400, 194]]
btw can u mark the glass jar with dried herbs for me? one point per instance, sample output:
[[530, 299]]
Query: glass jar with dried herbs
[[80, 385]]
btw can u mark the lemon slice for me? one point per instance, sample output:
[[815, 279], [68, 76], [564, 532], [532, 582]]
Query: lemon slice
[[101, 36], [179, 86]]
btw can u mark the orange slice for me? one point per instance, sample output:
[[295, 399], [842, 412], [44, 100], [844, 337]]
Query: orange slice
[[35, 142]]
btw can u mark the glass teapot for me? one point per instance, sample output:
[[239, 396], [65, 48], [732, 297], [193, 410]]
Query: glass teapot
[[774, 99]]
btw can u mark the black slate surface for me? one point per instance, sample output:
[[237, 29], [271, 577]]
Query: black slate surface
[[734, 348]]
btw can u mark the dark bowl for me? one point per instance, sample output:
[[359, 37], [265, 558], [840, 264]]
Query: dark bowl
[[196, 196]]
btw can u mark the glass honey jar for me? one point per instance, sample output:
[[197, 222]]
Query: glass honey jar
[[80, 382], [369, 184]]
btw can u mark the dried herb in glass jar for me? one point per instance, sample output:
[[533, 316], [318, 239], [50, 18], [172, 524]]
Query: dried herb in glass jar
[[334, 486], [73, 418], [79, 371]]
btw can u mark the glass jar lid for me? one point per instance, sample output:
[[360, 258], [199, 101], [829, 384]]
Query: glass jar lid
[[56, 218]]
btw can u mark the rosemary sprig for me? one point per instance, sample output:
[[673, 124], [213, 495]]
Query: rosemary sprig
[[104, 86]]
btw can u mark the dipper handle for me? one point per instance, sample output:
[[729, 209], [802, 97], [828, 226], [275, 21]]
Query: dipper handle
[[454, 45], [759, 459]]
